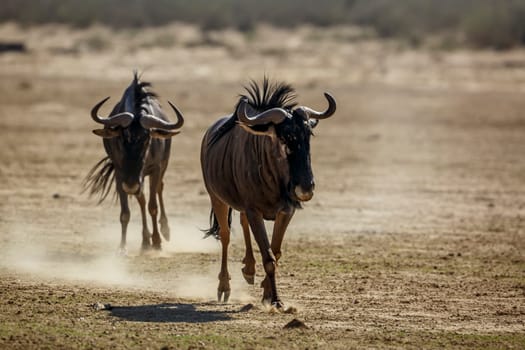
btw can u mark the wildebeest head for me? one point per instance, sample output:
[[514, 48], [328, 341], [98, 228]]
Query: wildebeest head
[[134, 121], [292, 128]]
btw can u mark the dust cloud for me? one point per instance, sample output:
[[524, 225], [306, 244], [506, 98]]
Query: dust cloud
[[93, 259], [44, 262], [186, 237]]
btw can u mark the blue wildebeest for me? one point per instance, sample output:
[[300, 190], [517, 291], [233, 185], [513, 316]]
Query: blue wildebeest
[[137, 139], [257, 161]]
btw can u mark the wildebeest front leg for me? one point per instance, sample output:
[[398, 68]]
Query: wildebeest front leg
[[279, 228], [282, 220], [153, 209], [164, 227], [259, 232], [124, 218], [146, 244], [248, 271]]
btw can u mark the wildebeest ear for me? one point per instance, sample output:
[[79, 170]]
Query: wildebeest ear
[[270, 131], [162, 134], [106, 133], [313, 122]]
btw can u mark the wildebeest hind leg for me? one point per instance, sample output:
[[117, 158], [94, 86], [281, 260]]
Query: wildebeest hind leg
[[146, 236], [220, 210], [164, 227], [248, 271]]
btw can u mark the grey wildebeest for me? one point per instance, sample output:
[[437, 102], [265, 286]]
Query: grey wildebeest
[[257, 161], [137, 139]]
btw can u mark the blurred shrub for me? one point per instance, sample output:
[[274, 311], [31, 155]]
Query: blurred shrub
[[412, 20], [163, 40], [485, 23], [496, 25], [94, 42]]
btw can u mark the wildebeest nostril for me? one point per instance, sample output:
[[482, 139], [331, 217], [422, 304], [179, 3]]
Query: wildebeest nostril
[[302, 194], [130, 189]]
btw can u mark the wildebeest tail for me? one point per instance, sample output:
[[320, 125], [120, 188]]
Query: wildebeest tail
[[214, 223], [100, 178]]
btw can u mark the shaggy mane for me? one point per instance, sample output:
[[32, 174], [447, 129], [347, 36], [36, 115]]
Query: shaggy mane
[[270, 95], [141, 93], [261, 98]]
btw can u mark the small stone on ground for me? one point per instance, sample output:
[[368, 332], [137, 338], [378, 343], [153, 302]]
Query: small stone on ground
[[101, 306], [295, 323]]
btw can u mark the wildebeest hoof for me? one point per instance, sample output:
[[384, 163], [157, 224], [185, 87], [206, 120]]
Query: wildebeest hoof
[[278, 305], [275, 307], [165, 231], [157, 247], [226, 294], [122, 252], [145, 248], [250, 278]]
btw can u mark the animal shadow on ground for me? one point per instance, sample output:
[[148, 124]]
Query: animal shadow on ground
[[169, 313]]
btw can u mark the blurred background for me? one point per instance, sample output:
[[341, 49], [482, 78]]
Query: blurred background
[[446, 23]]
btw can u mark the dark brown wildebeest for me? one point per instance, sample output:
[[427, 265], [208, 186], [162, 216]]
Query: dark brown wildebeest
[[137, 138], [257, 161]]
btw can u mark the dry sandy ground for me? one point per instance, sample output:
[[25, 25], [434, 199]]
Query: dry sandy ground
[[415, 237]]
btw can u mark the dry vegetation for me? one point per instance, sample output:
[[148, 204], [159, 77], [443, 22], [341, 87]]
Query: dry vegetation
[[414, 239], [454, 23]]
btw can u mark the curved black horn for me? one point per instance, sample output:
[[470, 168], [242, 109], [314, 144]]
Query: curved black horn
[[150, 121], [274, 115], [322, 115], [121, 119]]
